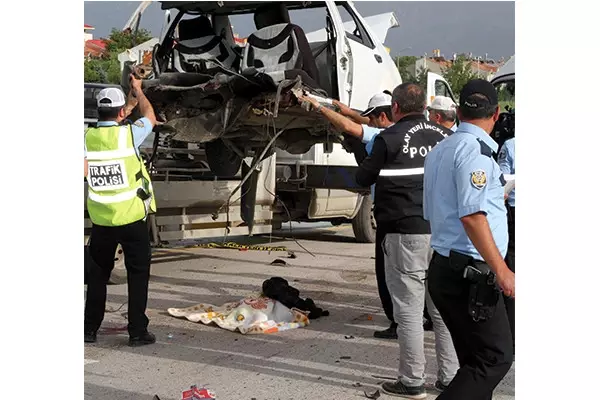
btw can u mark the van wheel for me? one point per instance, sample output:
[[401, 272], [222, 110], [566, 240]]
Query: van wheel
[[363, 224], [223, 161]]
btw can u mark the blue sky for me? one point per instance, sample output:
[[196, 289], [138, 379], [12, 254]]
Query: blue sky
[[479, 27]]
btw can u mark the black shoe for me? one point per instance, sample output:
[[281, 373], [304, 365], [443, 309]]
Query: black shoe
[[146, 338], [409, 392], [389, 333], [89, 337], [428, 325], [439, 386]]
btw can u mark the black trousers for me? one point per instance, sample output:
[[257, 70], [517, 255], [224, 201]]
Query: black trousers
[[484, 348], [384, 293], [510, 262], [135, 241]]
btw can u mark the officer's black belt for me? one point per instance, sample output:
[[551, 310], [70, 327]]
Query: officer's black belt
[[437, 257]]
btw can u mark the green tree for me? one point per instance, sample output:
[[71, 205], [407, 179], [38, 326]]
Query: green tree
[[91, 71], [108, 69], [403, 63], [459, 73], [119, 41]]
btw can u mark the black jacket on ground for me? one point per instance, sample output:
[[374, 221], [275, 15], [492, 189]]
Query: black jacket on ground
[[396, 167]]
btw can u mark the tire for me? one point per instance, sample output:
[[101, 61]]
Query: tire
[[363, 224], [223, 161]]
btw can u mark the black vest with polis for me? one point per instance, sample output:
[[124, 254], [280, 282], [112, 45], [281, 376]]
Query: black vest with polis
[[399, 187]]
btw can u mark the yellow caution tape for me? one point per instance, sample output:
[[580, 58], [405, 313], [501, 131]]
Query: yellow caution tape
[[237, 246]]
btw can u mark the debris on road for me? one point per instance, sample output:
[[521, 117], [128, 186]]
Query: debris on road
[[375, 395], [279, 289], [345, 358], [197, 394], [170, 336], [279, 261], [348, 337], [389, 378], [357, 384]]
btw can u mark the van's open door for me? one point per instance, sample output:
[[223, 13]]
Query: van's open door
[[165, 26], [437, 86], [343, 55]]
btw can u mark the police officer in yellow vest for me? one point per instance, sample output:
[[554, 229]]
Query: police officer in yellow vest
[[120, 197]]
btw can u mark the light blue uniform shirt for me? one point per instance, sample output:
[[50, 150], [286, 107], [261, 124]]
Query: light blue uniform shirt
[[506, 160], [369, 135], [460, 180], [454, 128], [141, 129]]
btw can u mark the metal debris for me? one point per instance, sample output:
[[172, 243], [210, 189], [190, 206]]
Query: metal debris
[[389, 378], [348, 337], [375, 395]]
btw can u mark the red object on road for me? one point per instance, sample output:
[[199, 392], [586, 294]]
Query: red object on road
[[197, 394]]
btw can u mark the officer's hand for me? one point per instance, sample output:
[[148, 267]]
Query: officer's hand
[[310, 100], [136, 84], [506, 281]]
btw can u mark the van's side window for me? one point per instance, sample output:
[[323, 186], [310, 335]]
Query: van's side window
[[441, 89], [354, 29]]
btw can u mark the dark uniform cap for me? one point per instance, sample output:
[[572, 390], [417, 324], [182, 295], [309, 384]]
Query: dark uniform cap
[[482, 87]]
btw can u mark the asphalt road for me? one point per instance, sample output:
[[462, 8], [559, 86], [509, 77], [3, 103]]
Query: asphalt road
[[317, 361]]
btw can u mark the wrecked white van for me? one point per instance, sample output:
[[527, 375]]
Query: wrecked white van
[[238, 101]]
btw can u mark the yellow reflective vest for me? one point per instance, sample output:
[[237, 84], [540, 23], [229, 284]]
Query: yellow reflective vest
[[119, 187]]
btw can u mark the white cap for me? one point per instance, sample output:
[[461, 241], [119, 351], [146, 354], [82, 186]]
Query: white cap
[[111, 97], [379, 100], [442, 103]]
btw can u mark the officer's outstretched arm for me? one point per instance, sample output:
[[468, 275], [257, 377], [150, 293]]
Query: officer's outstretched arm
[[145, 107]]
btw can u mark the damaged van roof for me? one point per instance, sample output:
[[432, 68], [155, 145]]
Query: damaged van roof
[[232, 7]]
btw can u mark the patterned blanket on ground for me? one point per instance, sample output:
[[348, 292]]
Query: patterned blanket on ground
[[251, 315]]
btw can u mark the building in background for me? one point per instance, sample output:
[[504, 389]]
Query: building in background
[[140, 54], [92, 48], [484, 67]]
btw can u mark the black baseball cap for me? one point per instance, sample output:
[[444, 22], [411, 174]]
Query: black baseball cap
[[481, 87]]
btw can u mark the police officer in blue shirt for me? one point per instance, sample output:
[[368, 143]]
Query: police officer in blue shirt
[[133, 237], [463, 200], [506, 160]]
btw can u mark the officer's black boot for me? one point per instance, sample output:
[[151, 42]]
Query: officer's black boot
[[146, 338], [89, 337], [389, 333]]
